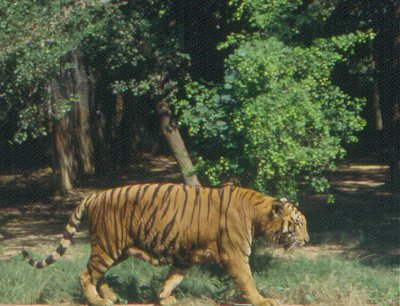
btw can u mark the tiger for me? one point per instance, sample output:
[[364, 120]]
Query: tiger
[[181, 225]]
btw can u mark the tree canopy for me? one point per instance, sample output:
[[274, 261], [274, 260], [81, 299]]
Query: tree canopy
[[268, 93], [277, 119]]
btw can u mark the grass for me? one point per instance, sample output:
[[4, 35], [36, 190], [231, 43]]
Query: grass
[[330, 280]]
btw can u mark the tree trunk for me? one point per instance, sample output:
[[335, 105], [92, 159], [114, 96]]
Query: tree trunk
[[72, 139], [395, 66], [387, 54], [129, 129], [82, 115], [171, 133], [101, 97], [376, 107], [65, 163]]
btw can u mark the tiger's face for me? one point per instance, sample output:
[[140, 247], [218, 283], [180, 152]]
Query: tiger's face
[[290, 225]]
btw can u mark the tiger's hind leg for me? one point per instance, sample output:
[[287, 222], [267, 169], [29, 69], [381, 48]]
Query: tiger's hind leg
[[88, 281], [91, 279], [106, 292], [174, 278]]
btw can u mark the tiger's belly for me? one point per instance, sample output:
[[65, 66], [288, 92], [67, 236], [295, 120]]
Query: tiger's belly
[[196, 255]]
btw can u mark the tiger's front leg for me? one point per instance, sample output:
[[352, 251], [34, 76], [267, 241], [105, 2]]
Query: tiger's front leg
[[238, 267], [174, 278]]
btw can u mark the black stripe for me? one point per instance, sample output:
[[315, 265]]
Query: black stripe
[[113, 214], [153, 242], [101, 260], [259, 203], [139, 233], [185, 202], [167, 193], [100, 221], [171, 243], [50, 259], [100, 243], [209, 202], [226, 217], [195, 203], [198, 217], [242, 209], [61, 250], [107, 231], [253, 194], [39, 265], [126, 197], [67, 235], [132, 209], [150, 221], [166, 208], [144, 208], [168, 228], [109, 246], [121, 230], [134, 204], [155, 192], [221, 199], [94, 267], [94, 213], [104, 247], [247, 192]]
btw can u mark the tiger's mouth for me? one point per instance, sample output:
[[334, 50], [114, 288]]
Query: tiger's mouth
[[291, 243]]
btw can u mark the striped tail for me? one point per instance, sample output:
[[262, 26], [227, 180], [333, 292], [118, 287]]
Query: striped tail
[[70, 230]]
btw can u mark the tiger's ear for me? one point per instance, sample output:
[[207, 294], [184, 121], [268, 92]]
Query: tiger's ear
[[277, 208]]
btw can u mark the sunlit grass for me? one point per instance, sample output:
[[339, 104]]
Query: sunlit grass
[[329, 280]]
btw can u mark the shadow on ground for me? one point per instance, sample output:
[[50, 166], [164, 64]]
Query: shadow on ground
[[363, 221]]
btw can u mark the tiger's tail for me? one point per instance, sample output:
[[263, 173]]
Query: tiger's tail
[[70, 230]]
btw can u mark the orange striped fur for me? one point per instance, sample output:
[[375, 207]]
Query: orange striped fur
[[180, 225]]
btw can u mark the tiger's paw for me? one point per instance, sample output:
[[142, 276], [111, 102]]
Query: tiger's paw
[[107, 293], [170, 300], [269, 302], [102, 302]]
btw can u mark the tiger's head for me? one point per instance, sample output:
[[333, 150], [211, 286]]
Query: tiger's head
[[285, 225]]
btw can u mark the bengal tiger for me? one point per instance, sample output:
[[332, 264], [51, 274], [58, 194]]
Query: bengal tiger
[[165, 223]]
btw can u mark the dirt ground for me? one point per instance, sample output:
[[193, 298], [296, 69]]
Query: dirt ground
[[363, 222]]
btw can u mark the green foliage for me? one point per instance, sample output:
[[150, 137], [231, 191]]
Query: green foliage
[[33, 118], [38, 36], [21, 284], [277, 119], [327, 280], [137, 46]]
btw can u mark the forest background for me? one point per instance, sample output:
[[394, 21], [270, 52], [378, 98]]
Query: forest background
[[266, 94]]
